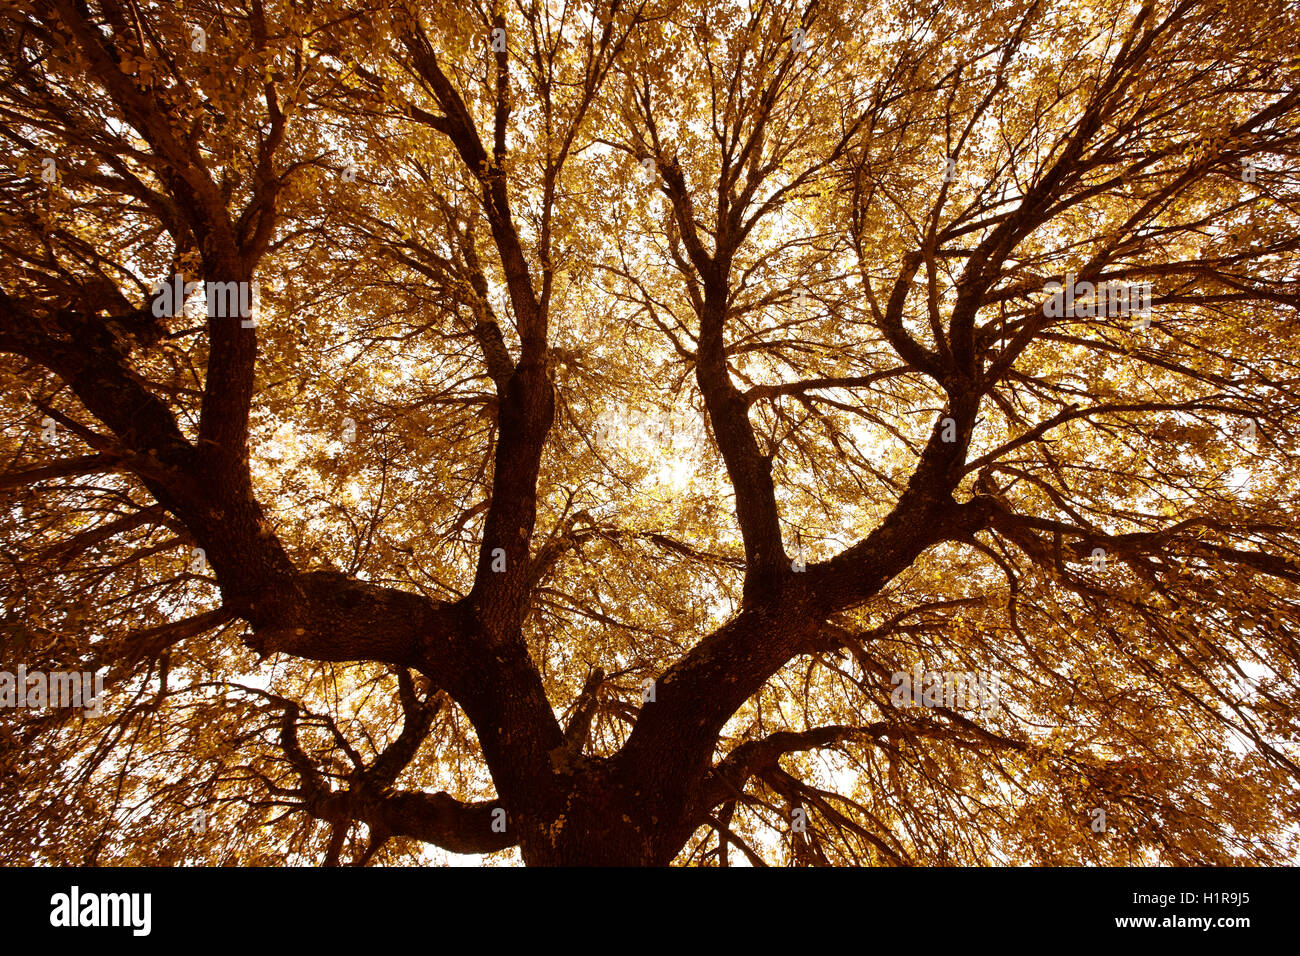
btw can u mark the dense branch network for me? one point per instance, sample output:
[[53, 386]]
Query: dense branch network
[[844, 254]]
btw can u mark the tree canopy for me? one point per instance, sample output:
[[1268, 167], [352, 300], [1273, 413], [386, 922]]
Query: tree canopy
[[645, 416]]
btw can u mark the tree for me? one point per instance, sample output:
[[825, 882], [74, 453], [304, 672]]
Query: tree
[[665, 431]]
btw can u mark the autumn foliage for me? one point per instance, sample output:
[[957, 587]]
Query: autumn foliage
[[639, 394]]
